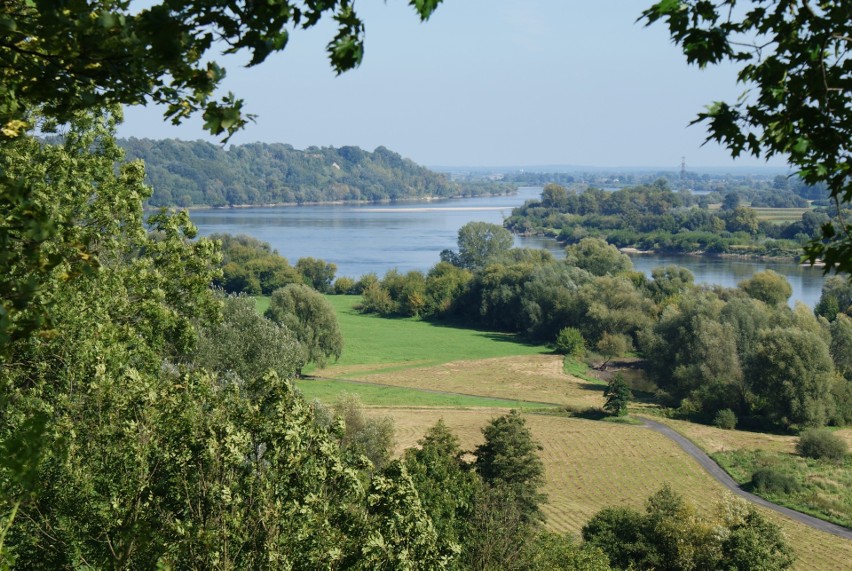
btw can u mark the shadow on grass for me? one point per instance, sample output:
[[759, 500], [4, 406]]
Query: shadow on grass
[[504, 337]]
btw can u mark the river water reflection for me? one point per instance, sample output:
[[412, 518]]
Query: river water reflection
[[409, 236]]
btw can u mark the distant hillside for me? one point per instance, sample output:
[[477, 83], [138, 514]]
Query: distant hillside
[[197, 173]]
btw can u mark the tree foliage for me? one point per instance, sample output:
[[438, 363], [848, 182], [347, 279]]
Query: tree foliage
[[197, 173], [247, 344], [509, 459], [671, 535], [93, 54], [311, 319], [480, 242], [794, 62], [617, 395], [128, 444]]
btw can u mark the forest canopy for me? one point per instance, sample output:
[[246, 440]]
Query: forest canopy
[[196, 173]]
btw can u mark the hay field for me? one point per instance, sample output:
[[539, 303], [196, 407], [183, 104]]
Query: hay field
[[536, 378], [590, 465], [785, 215]]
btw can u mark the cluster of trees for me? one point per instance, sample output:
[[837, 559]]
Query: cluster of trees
[[197, 173], [671, 535], [777, 191], [652, 217], [252, 267], [707, 349]]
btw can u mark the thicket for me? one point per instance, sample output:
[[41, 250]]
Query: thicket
[[196, 173], [653, 217], [708, 349], [671, 535]]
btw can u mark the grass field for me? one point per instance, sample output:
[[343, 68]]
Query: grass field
[[537, 378], [824, 488]]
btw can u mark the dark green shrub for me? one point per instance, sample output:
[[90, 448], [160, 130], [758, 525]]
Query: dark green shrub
[[726, 419], [774, 480], [821, 444], [570, 342]]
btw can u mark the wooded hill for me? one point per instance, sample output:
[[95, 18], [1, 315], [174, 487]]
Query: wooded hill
[[197, 173]]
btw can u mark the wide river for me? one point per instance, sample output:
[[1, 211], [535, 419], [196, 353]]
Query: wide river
[[409, 236]]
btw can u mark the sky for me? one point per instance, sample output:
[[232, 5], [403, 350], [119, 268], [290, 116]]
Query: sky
[[485, 83]]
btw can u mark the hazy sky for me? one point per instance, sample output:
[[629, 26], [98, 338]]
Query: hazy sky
[[486, 83]]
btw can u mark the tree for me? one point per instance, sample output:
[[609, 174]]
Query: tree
[[791, 374], [612, 345], [794, 61], [372, 437], [570, 342], [767, 286], [509, 458], [617, 395], [597, 257], [252, 267], [247, 344], [318, 274], [479, 242], [308, 315], [91, 55], [448, 489], [672, 536], [554, 196]]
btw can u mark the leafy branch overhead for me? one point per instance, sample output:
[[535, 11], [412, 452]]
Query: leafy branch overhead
[[795, 65], [90, 54]]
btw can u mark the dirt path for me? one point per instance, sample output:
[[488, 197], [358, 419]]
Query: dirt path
[[723, 478]]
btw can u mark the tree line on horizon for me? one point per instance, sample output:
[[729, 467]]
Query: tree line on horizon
[[198, 173], [653, 217]]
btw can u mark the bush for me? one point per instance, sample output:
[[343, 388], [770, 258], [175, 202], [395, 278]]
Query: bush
[[570, 342], [774, 480], [822, 445], [726, 419], [344, 285]]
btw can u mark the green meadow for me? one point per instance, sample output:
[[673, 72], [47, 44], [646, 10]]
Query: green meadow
[[373, 344], [409, 342]]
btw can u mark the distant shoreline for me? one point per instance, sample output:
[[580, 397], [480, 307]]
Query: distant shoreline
[[149, 208], [701, 253]]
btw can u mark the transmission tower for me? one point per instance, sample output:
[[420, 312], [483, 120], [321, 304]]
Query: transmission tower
[[683, 174]]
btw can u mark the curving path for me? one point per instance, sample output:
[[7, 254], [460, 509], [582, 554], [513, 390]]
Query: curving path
[[723, 478]]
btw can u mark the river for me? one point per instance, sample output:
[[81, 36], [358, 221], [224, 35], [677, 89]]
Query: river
[[409, 236]]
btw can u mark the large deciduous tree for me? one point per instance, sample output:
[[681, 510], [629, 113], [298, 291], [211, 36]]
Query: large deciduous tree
[[306, 313], [791, 375], [795, 65], [671, 535], [480, 242]]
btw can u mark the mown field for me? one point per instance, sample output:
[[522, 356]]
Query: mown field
[[786, 215], [589, 464]]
